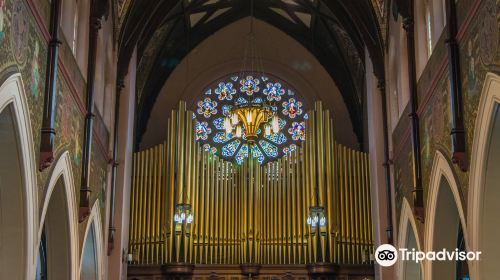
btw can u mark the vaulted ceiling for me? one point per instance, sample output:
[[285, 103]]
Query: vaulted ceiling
[[336, 32]]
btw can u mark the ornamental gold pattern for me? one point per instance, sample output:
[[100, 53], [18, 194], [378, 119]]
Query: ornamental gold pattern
[[248, 213]]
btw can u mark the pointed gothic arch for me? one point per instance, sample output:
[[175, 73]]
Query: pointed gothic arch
[[94, 231], [407, 231], [59, 220], [18, 198], [444, 201], [482, 185]]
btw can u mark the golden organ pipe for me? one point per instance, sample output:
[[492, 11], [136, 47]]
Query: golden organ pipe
[[369, 207], [366, 197], [139, 207], [138, 210], [144, 202], [351, 206], [224, 216], [154, 178], [171, 184], [133, 206], [217, 210], [212, 206], [147, 231], [331, 173], [250, 213], [343, 172], [356, 205], [151, 182]]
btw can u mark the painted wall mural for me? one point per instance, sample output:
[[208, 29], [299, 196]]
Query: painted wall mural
[[23, 49], [479, 54]]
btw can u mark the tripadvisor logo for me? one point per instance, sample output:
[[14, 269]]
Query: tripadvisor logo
[[387, 255]]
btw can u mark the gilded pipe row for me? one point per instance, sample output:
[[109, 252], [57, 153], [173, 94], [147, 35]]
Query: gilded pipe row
[[250, 213]]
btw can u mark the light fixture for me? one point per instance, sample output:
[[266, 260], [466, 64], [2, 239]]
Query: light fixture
[[316, 217], [183, 214], [249, 118]]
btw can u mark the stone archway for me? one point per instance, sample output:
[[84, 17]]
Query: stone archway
[[18, 203], [59, 221], [484, 222], [445, 218], [408, 237]]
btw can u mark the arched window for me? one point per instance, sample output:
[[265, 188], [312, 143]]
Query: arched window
[[412, 270], [41, 266], [74, 25], [89, 270], [74, 40], [69, 22], [428, 29], [244, 90], [398, 86]]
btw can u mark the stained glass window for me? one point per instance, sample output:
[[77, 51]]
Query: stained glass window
[[274, 91], [207, 107], [202, 130], [225, 91], [217, 100], [249, 85], [270, 149], [298, 131], [292, 108], [229, 149], [277, 138]]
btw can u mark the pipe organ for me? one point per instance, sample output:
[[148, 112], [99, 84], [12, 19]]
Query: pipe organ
[[251, 213]]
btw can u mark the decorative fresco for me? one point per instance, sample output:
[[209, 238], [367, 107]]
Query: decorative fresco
[[23, 48], [435, 127], [479, 54]]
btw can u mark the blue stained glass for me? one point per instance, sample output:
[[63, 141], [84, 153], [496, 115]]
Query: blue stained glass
[[282, 123], [298, 131], [249, 85], [202, 130], [256, 153], [292, 108], [220, 98], [277, 138], [269, 148], [226, 109], [219, 123], [207, 107], [242, 154], [225, 91], [241, 100], [292, 148], [273, 91], [229, 149], [222, 137], [257, 100], [239, 160]]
